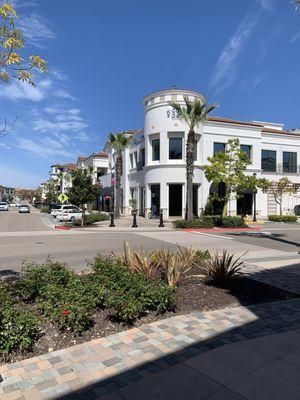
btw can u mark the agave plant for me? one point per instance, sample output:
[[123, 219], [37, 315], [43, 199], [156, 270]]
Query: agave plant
[[176, 265], [221, 269], [140, 262]]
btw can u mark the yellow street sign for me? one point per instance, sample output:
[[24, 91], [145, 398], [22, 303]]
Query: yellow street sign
[[63, 198]]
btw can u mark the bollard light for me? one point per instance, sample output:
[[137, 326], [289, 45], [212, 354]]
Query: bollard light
[[112, 220], [134, 223], [161, 219]]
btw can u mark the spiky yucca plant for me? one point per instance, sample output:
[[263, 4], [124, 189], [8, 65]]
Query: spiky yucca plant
[[222, 269]]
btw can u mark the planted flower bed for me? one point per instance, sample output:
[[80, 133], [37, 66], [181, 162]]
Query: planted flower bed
[[50, 307]]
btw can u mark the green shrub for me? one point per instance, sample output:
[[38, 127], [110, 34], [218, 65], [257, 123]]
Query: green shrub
[[222, 269], [90, 219], [44, 209], [18, 329], [230, 222], [72, 306], [34, 278], [131, 294], [283, 218], [194, 223]]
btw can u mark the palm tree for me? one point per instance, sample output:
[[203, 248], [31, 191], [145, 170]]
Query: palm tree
[[193, 113], [118, 142]]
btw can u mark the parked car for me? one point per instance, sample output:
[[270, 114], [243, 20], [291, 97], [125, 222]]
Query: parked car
[[55, 211], [13, 205], [3, 206], [53, 207], [24, 209], [70, 214]]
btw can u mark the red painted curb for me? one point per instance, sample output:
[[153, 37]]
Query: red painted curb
[[217, 230], [64, 228]]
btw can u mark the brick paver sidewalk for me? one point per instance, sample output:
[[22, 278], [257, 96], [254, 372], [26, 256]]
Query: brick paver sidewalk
[[91, 370]]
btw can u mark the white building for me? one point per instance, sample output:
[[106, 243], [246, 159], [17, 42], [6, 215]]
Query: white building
[[154, 164], [61, 173], [96, 162]]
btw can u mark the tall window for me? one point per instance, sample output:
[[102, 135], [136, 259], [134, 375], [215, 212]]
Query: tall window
[[155, 149], [142, 155], [219, 148], [246, 148], [289, 162], [131, 160], [175, 148], [268, 160]]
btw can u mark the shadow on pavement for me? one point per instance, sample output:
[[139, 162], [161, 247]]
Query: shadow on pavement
[[173, 376], [279, 237]]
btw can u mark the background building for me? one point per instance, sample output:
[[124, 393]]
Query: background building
[[154, 164]]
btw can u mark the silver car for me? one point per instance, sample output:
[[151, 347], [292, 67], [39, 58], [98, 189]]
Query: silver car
[[3, 206]]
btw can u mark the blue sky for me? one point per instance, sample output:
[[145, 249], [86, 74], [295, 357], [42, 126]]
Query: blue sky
[[105, 56]]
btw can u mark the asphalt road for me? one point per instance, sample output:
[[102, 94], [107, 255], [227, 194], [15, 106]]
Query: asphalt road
[[284, 237], [12, 221], [26, 237]]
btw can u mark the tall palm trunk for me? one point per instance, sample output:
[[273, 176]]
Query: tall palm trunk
[[190, 146], [118, 186]]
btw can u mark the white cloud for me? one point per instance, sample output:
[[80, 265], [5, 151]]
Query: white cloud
[[295, 37], [35, 29], [225, 68], [43, 125], [83, 137], [66, 117], [62, 93], [266, 4], [17, 90], [46, 148]]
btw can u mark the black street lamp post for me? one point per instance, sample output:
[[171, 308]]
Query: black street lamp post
[[254, 200]]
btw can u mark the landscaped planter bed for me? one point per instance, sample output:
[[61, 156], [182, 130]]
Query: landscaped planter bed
[[191, 295]]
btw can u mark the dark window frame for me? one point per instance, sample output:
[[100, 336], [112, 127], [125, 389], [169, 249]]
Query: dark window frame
[[266, 165], [289, 166], [221, 144], [172, 151], [249, 146], [155, 143]]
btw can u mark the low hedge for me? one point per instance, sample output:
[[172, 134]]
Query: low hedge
[[194, 223], [90, 219], [44, 209], [210, 221], [231, 222], [283, 218]]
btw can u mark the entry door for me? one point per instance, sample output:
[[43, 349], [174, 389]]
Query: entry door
[[175, 200], [195, 200], [155, 196], [142, 201]]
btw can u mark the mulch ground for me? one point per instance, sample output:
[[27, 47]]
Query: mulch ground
[[192, 295]]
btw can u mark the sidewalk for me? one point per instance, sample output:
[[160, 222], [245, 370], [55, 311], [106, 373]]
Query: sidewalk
[[149, 354]]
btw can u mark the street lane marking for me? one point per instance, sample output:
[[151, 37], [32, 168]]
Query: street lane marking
[[215, 236]]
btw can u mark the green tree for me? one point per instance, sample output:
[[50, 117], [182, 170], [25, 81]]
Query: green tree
[[192, 113], [83, 191], [279, 189], [229, 167], [13, 63], [51, 191], [118, 142]]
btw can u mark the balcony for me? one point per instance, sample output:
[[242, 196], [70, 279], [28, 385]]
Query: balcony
[[105, 180]]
